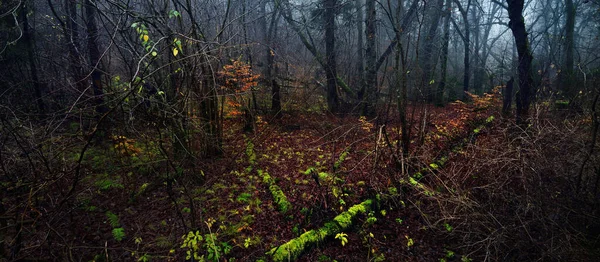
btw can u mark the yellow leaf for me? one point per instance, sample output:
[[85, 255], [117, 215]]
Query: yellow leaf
[[146, 38], [175, 51]]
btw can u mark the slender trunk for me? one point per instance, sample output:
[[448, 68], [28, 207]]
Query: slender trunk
[[427, 57], [445, 45], [403, 97], [467, 40], [29, 39], [74, 46], [270, 34], [477, 64], [567, 77], [330, 70], [248, 53], [507, 100], [210, 111], [94, 53], [360, 65], [208, 106], [370, 87], [485, 51]]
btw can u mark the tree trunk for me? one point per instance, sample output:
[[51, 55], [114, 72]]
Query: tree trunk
[[330, 69], [400, 60], [29, 39], [466, 39], [507, 98], [94, 53], [477, 63], [360, 64], [210, 112], [427, 63], [445, 45], [270, 34], [517, 26], [370, 87], [248, 54], [74, 46], [276, 98], [567, 76]]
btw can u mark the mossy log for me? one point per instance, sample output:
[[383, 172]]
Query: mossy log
[[278, 196], [291, 250]]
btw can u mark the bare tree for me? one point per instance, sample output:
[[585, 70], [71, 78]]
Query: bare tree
[[517, 25]]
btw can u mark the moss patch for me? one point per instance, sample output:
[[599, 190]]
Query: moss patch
[[278, 196], [295, 247]]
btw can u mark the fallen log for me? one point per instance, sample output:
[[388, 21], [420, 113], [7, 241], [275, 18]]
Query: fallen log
[[292, 249]]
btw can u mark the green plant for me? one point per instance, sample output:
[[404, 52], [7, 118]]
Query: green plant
[[191, 242], [448, 227], [113, 219], [144, 258], [118, 233], [243, 198], [343, 237], [251, 241], [338, 163], [107, 183], [379, 257], [409, 241], [305, 211], [371, 219]]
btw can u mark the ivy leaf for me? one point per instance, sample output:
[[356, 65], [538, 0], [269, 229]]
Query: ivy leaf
[[146, 38], [154, 53], [175, 51]]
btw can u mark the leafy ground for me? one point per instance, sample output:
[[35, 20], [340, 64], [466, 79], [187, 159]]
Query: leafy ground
[[475, 187]]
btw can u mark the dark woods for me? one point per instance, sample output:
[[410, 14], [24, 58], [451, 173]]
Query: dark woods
[[125, 125]]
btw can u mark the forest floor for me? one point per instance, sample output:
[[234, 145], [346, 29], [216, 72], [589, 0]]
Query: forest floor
[[475, 187]]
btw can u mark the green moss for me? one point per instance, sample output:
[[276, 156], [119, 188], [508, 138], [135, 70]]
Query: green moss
[[295, 247], [279, 197], [250, 153]]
